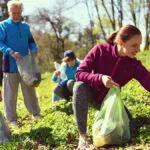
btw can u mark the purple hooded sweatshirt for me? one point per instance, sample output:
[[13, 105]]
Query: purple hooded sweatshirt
[[103, 60]]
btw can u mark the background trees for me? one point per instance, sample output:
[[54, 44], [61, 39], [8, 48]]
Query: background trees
[[59, 32], [55, 31]]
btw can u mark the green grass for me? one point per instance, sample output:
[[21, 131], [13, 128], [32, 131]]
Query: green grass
[[53, 130]]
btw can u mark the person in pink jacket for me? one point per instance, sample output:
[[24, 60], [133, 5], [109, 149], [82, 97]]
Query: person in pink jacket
[[105, 66]]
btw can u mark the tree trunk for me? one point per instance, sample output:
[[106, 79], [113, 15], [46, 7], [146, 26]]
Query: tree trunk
[[93, 40], [147, 26], [100, 21], [112, 21]]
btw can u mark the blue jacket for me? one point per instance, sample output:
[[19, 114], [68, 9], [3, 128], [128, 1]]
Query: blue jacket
[[67, 73], [15, 37]]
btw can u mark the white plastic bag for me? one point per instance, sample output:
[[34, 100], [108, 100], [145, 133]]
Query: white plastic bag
[[29, 71], [5, 133], [62, 68], [112, 123], [57, 65]]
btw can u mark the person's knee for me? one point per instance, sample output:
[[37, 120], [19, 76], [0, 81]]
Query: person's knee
[[80, 98], [70, 83], [79, 87], [57, 90]]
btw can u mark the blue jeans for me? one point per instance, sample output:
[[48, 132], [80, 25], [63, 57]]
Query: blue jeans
[[55, 97]]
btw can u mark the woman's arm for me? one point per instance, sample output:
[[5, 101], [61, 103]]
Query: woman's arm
[[142, 75], [85, 71]]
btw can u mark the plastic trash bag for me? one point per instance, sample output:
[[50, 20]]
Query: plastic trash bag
[[57, 65], [54, 96], [29, 71], [112, 123], [62, 68], [5, 133]]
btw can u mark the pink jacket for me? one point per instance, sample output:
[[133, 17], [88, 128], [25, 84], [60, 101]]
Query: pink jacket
[[103, 60]]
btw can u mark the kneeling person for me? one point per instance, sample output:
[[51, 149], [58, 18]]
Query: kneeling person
[[65, 75]]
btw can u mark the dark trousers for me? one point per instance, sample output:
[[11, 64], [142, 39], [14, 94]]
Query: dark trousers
[[64, 91]]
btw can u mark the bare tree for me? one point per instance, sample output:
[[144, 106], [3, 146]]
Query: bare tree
[[100, 20], [110, 16], [113, 9], [55, 23], [132, 10], [148, 4], [91, 20], [120, 12], [147, 26]]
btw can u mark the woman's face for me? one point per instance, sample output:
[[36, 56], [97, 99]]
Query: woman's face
[[71, 62], [131, 47]]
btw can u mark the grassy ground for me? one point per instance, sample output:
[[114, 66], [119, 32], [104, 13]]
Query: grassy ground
[[57, 130]]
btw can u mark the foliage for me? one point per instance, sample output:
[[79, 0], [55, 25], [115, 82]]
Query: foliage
[[57, 27], [56, 32], [57, 129], [47, 50]]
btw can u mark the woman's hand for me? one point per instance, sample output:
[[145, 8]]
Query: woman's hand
[[56, 73], [108, 82]]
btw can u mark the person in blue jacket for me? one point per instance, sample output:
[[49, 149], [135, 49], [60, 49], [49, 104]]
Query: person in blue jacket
[[16, 41], [65, 75]]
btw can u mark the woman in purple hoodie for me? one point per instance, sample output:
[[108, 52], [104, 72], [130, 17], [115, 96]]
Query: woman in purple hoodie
[[105, 66]]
